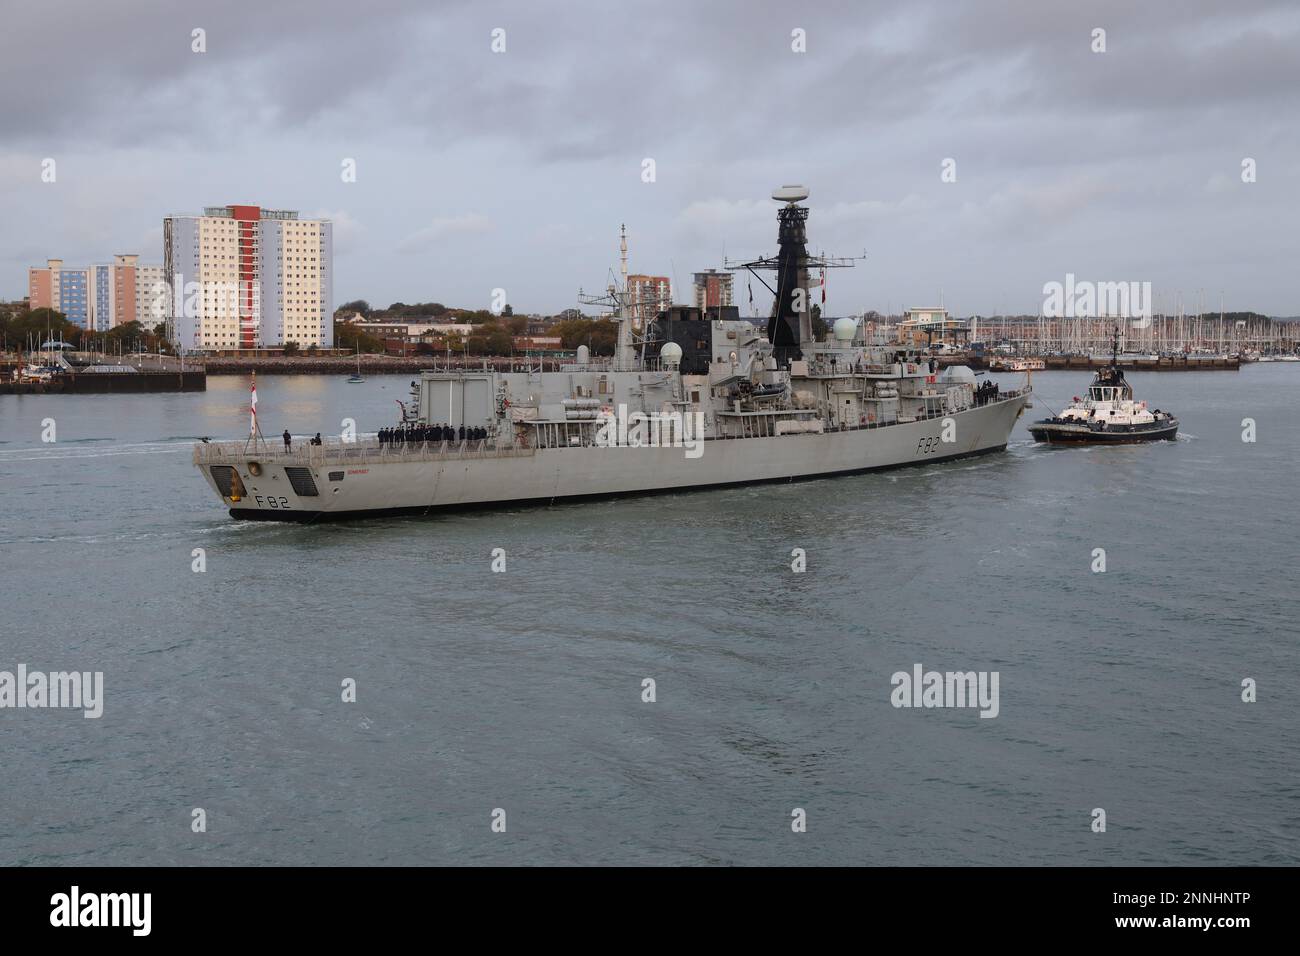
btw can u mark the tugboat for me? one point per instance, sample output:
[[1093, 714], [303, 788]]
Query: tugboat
[[1109, 415]]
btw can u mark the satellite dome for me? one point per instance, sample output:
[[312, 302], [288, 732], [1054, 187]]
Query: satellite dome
[[959, 374], [584, 355], [844, 329], [790, 193], [671, 354]]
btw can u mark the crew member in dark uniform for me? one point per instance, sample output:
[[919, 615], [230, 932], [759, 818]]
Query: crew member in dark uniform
[[288, 441]]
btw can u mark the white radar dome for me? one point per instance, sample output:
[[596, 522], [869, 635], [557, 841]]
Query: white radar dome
[[844, 330], [584, 355], [790, 193], [671, 354]]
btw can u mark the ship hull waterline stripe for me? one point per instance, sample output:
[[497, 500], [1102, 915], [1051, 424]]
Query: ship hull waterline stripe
[[1049, 437], [303, 517]]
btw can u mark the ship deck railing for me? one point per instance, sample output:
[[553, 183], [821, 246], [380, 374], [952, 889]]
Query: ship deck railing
[[364, 451]]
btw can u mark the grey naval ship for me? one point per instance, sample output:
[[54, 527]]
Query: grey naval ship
[[691, 399]]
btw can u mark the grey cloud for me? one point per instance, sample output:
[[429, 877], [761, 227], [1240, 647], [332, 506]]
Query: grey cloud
[[1060, 151]]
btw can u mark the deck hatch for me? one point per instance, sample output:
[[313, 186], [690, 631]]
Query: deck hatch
[[304, 485]]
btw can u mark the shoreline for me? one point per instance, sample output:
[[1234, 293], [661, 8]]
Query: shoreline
[[398, 365], [374, 365]]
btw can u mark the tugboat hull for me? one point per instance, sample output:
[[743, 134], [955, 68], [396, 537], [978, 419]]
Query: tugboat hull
[[1068, 433]]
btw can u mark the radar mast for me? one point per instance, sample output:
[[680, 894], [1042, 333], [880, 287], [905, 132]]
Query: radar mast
[[789, 328]]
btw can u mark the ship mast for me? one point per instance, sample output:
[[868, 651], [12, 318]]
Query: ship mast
[[622, 246], [789, 328], [618, 300]]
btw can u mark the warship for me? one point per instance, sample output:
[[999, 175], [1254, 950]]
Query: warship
[[693, 398], [1108, 414]]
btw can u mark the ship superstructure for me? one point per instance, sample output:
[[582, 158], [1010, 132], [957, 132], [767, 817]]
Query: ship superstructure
[[686, 401]]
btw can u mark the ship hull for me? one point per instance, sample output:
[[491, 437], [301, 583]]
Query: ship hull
[[257, 514], [1057, 434], [363, 482]]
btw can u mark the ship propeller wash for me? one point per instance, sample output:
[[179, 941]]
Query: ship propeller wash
[[689, 400]]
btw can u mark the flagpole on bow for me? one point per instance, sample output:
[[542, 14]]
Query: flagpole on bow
[[254, 429]]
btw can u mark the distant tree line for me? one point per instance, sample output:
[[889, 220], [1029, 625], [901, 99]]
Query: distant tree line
[[599, 335], [31, 328], [419, 310]]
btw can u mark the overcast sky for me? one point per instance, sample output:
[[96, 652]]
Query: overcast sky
[[478, 170]]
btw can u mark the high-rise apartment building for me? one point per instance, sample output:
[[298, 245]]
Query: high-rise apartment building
[[152, 295], [712, 289], [62, 289], [650, 296], [246, 277], [101, 296], [133, 292]]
